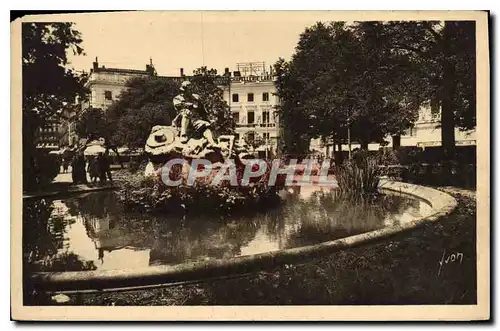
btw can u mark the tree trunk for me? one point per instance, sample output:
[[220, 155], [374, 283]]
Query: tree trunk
[[396, 142], [447, 106], [364, 145]]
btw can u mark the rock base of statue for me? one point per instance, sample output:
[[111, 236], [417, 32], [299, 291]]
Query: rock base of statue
[[165, 144]]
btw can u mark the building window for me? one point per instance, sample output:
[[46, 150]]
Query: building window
[[237, 137], [265, 96], [236, 97], [265, 117], [108, 95], [266, 136], [251, 117], [250, 97]]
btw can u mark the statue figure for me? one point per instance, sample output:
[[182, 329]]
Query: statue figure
[[190, 136], [194, 122]]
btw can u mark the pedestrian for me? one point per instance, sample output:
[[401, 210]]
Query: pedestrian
[[74, 170], [107, 166], [65, 162], [93, 169], [101, 167], [80, 164]]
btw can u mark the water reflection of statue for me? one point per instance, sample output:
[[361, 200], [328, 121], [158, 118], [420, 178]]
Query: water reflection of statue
[[194, 122]]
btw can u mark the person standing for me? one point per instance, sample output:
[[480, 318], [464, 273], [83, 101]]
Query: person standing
[[107, 165], [93, 169], [101, 167]]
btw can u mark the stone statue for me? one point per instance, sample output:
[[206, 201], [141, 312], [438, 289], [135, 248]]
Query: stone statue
[[194, 122], [190, 136]]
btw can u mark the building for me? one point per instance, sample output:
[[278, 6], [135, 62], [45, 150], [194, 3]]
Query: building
[[427, 133], [252, 100], [106, 84], [49, 135]]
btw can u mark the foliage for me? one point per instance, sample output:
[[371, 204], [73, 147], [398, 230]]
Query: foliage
[[92, 124], [342, 77], [146, 102], [253, 139], [205, 83], [152, 195], [373, 76], [48, 85], [358, 178]]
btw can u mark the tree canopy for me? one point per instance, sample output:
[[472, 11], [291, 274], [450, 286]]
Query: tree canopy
[[92, 124], [146, 101], [48, 85], [373, 77]]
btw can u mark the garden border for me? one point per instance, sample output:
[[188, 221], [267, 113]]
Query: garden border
[[99, 280]]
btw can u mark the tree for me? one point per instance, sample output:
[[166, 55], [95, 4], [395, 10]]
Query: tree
[[446, 52], [92, 124], [253, 139], [373, 77], [344, 77], [147, 101], [207, 84], [293, 138], [48, 85]]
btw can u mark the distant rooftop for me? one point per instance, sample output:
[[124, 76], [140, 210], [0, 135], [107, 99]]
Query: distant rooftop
[[150, 69]]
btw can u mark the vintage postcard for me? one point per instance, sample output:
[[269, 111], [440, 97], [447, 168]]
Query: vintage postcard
[[251, 165]]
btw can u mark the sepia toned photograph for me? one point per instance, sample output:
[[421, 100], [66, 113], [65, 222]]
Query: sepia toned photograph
[[250, 165]]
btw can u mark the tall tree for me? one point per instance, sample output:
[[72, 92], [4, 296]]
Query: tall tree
[[146, 101], [373, 77], [208, 85], [342, 78], [446, 51], [92, 124], [48, 85]]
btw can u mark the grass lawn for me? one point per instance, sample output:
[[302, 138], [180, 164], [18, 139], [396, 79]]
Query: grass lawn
[[405, 269]]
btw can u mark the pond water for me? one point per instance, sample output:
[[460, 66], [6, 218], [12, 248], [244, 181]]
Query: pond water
[[92, 231]]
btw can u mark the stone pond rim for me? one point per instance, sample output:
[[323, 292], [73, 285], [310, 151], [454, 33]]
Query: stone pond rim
[[75, 281]]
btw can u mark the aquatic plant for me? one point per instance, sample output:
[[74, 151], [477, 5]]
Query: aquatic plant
[[151, 195], [359, 177]]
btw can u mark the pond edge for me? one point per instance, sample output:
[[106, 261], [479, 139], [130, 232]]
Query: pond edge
[[83, 281]]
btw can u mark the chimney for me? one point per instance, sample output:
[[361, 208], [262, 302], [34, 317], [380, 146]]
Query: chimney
[[182, 72], [95, 65]]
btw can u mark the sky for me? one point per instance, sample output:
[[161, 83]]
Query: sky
[[189, 39]]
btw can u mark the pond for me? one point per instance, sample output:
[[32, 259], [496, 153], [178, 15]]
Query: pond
[[93, 231]]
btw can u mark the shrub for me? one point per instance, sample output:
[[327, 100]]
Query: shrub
[[358, 177], [40, 169], [150, 194]]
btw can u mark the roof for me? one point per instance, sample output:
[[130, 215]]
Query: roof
[[118, 70]]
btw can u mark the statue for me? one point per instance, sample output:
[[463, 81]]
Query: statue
[[193, 117], [190, 136]]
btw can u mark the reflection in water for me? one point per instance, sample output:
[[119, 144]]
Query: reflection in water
[[95, 229]]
